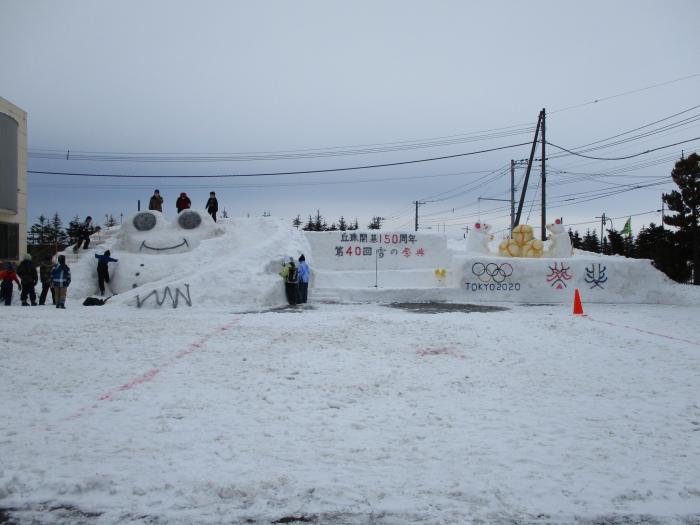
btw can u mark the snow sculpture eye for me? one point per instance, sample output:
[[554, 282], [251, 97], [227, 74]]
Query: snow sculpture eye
[[144, 221], [189, 220]]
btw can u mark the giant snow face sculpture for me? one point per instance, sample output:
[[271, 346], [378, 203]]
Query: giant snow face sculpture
[[150, 232]]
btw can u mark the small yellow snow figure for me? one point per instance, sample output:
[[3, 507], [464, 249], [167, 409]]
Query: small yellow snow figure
[[440, 273], [522, 233], [533, 248]]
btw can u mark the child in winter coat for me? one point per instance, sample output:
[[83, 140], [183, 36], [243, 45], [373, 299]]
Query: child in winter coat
[[60, 276], [86, 230], [103, 269], [156, 202], [212, 205], [7, 275], [29, 277], [183, 202], [45, 278], [289, 274], [304, 274]]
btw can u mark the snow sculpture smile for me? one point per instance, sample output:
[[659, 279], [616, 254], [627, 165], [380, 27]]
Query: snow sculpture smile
[[150, 232]]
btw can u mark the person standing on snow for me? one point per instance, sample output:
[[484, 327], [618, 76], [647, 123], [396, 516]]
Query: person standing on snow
[[183, 202], [60, 275], [103, 269], [290, 276], [156, 202], [29, 277], [45, 278], [84, 235], [7, 275], [212, 205], [304, 273]]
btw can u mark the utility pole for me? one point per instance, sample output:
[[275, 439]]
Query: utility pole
[[529, 167], [512, 196], [603, 220], [544, 180], [417, 203], [662, 211]]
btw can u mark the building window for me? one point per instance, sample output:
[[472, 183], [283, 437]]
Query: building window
[[9, 240]]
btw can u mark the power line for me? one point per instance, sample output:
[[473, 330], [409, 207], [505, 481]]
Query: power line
[[626, 157], [602, 99], [269, 174]]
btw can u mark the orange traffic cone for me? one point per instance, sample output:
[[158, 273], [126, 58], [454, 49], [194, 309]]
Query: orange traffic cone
[[578, 307]]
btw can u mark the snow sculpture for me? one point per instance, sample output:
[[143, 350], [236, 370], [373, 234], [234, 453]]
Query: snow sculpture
[[521, 244], [479, 238], [150, 232], [559, 241]]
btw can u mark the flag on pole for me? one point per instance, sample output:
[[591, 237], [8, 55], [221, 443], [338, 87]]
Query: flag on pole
[[627, 230]]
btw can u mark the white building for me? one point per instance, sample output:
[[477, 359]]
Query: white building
[[13, 181]]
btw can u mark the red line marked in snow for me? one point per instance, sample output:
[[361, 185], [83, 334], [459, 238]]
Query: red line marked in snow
[[696, 343], [150, 374]]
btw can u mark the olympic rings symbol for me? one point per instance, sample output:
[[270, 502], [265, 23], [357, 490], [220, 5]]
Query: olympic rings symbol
[[492, 271]]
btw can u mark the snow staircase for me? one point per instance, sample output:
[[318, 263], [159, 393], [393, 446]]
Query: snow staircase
[[96, 239]]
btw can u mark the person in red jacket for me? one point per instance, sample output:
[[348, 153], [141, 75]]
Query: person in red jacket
[[183, 202], [7, 275]]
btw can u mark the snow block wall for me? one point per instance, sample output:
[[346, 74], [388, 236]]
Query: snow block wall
[[362, 263], [599, 279], [357, 259]]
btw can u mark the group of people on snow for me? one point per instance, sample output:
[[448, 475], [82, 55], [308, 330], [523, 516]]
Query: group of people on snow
[[53, 277], [183, 202], [296, 280]]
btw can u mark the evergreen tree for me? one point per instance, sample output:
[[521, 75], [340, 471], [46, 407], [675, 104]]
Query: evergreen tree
[[74, 229], [297, 222], [38, 233], [56, 233], [616, 243], [318, 222], [576, 241], [590, 242], [685, 202], [355, 225], [376, 223], [342, 225], [333, 227], [110, 221], [309, 226], [662, 247]]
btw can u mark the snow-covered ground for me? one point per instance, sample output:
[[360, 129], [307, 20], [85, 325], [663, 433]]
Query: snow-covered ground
[[350, 413], [236, 410]]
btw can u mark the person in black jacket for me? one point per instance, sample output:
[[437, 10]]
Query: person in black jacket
[[45, 278], [103, 269], [212, 205], [86, 230], [156, 202], [28, 276]]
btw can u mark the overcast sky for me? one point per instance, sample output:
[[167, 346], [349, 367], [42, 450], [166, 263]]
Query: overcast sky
[[186, 79]]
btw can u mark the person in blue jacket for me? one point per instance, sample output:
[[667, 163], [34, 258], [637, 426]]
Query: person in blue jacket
[[103, 270], [60, 275], [304, 274]]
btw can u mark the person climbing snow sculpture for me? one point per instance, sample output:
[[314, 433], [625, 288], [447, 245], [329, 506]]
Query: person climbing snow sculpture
[[86, 230], [156, 202], [183, 202], [103, 269]]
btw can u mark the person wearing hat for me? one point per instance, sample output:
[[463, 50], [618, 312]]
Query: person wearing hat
[[45, 278], [183, 202], [28, 276], [156, 202], [212, 205]]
